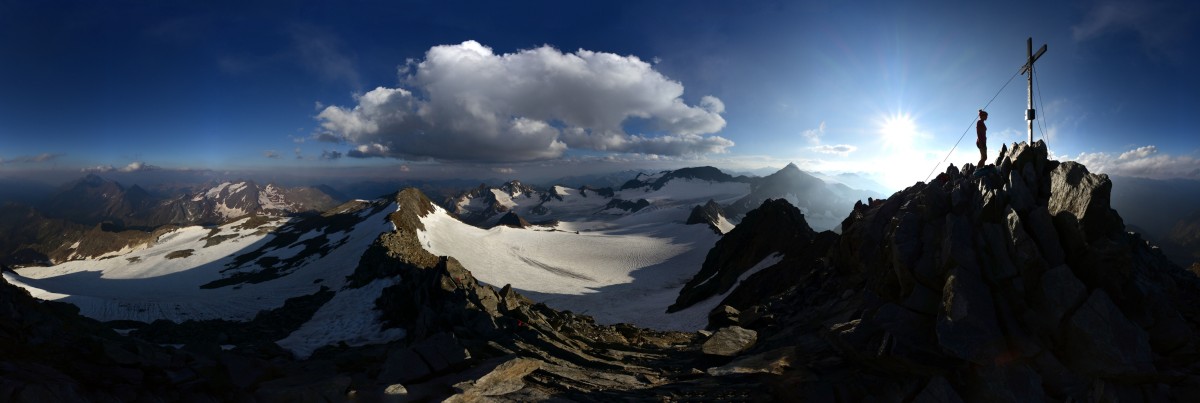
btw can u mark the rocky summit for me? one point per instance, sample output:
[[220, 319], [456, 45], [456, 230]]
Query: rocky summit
[[1018, 284]]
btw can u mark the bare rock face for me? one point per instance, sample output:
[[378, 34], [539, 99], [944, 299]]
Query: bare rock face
[[1103, 342], [709, 214], [729, 341], [1084, 197], [772, 228], [967, 327]]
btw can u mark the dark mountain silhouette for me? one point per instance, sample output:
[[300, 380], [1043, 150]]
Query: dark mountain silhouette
[[821, 202], [1021, 285], [656, 182], [1184, 239], [1155, 208]]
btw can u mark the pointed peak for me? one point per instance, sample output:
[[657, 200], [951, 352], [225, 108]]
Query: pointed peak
[[791, 166], [93, 179]]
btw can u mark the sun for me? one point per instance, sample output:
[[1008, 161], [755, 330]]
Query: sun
[[898, 131]]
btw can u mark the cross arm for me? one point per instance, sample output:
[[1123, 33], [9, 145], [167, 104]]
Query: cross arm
[[1032, 59]]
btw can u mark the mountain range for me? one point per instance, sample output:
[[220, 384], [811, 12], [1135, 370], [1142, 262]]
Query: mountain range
[[823, 203], [103, 213], [1013, 283]]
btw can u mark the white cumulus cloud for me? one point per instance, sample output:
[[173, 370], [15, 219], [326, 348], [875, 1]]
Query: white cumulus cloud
[[1145, 161], [464, 102]]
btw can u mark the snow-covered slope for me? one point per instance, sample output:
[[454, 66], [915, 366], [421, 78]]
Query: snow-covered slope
[[163, 280], [641, 260], [229, 200], [596, 246]]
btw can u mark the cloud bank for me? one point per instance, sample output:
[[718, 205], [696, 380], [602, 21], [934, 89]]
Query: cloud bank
[[463, 102], [1145, 162], [136, 166]]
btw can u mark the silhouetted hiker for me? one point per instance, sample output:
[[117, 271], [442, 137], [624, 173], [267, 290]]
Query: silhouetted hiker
[[981, 137]]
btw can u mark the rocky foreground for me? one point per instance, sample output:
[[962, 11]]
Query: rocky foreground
[[1017, 285]]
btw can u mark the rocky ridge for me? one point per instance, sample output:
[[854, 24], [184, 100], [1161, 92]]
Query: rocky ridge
[[709, 214], [1020, 285]]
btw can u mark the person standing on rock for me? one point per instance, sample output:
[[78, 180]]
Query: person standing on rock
[[981, 137]]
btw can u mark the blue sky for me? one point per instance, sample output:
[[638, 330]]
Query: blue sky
[[543, 89]]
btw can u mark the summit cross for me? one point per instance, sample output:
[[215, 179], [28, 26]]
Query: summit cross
[[1028, 68]]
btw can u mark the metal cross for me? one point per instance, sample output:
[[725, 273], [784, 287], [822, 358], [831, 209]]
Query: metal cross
[[1028, 67]]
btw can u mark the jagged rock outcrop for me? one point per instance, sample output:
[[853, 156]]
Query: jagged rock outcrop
[[1020, 285], [511, 219], [709, 214], [774, 227]]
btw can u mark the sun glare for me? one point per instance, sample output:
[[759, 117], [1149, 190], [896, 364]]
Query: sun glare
[[898, 131]]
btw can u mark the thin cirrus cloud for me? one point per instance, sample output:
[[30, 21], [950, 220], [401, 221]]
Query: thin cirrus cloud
[[465, 103], [30, 159], [836, 149]]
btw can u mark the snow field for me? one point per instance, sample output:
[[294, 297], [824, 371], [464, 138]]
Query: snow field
[[145, 286], [625, 270], [349, 317]]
